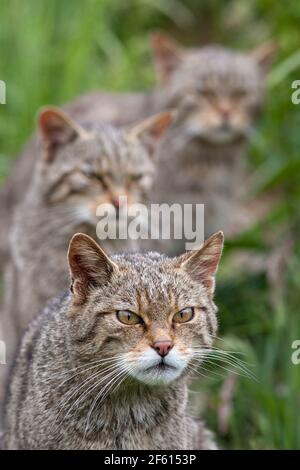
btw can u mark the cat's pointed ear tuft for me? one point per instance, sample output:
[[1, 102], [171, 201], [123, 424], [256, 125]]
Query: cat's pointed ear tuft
[[57, 129], [264, 55], [202, 264], [151, 130], [167, 54], [89, 266]]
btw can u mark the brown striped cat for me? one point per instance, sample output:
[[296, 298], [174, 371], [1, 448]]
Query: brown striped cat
[[107, 365], [81, 166], [218, 94]]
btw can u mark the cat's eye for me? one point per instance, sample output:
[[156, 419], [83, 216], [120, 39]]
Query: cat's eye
[[103, 180], [128, 318], [136, 177], [92, 175], [239, 94], [208, 94], [89, 172], [184, 315]]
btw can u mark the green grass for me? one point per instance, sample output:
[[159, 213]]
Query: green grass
[[52, 51]]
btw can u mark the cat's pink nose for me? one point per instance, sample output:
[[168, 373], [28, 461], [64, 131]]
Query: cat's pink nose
[[163, 347], [225, 112], [116, 202]]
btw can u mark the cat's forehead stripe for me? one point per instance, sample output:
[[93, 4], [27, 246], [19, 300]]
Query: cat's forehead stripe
[[154, 277], [107, 150], [216, 67]]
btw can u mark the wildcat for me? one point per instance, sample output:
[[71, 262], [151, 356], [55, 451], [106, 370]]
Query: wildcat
[[107, 365], [80, 167], [218, 94]]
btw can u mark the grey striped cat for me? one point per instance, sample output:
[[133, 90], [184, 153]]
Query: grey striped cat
[[107, 365], [218, 94], [80, 168]]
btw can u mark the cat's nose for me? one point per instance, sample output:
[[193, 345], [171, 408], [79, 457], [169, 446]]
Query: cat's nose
[[163, 347], [116, 202], [225, 113]]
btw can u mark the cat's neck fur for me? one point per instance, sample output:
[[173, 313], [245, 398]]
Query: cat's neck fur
[[142, 408]]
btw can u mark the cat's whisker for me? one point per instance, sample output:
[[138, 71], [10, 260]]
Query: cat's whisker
[[197, 371], [90, 389], [232, 370], [221, 354], [65, 399], [230, 359], [122, 374], [116, 382], [111, 389], [216, 373], [83, 367], [213, 350], [229, 354], [226, 342], [238, 368], [113, 378], [88, 379], [86, 370]]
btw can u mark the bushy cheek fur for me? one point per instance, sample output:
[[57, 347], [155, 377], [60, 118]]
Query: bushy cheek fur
[[94, 335], [209, 117]]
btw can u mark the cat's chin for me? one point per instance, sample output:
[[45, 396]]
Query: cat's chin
[[224, 136], [218, 136], [161, 374], [151, 369]]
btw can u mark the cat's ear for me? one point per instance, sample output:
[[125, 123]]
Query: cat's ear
[[57, 129], [151, 130], [264, 55], [167, 54], [89, 266], [202, 264]]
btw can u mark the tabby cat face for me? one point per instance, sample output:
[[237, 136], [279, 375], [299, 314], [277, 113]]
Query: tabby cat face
[[145, 314], [84, 167], [218, 92]]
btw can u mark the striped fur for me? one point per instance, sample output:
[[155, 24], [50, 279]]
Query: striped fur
[[49, 403], [219, 95], [101, 164]]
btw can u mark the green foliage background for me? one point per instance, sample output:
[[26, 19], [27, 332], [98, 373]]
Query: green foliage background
[[51, 51]]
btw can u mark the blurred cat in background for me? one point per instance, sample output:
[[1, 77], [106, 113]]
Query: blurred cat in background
[[80, 167], [218, 94]]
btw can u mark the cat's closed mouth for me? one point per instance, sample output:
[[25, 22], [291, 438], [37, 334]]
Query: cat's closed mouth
[[160, 367]]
